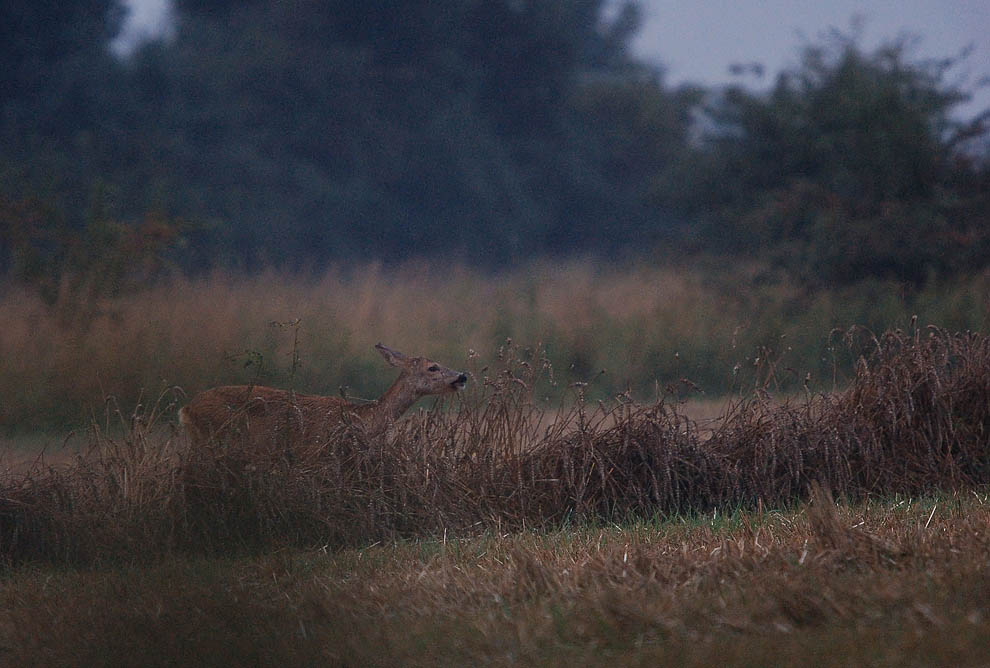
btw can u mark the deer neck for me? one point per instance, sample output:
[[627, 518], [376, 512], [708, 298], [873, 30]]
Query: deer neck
[[396, 401]]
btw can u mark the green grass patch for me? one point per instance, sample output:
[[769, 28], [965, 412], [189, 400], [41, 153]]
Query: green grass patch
[[889, 582]]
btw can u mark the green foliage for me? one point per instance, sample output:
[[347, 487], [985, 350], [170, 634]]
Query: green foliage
[[376, 129], [490, 131], [39, 39], [74, 269], [850, 168]]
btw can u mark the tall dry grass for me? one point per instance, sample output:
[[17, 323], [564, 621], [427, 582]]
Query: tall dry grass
[[915, 418], [645, 326]]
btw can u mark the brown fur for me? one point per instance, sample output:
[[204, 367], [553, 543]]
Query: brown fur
[[259, 414]]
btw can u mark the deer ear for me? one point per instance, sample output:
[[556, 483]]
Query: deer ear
[[393, 357]]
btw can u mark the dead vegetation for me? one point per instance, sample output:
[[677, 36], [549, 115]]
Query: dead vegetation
[[314, 332], [500, 530], [893, 582], [914, 420]]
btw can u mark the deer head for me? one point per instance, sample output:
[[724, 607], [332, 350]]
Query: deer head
[[423, 376]]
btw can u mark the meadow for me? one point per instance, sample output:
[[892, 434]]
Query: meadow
[[634, 327], [837, 512], [900, 582]]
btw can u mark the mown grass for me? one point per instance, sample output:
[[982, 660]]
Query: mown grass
[[646, 326], [885, 582]]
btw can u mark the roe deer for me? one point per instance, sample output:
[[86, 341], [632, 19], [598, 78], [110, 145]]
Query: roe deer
[[256, 413]]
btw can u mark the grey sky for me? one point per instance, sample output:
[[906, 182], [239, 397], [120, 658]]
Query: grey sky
[[697, 41], [148, 18]]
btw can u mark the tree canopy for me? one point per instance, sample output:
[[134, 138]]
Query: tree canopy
[[300, 132], [851, 167]]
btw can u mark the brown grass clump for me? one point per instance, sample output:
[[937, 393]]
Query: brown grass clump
[[915, 419]]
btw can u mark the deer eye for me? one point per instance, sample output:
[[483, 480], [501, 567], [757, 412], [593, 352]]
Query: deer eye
[[434, 368]]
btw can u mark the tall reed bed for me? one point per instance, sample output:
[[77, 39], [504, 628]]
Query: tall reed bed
[[915, 418], [645, 326]]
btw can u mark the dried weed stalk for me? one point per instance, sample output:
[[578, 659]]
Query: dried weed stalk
[[915, 418]]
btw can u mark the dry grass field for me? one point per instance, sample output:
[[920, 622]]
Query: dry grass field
[[645, 326], [498, 458], [529, 520]]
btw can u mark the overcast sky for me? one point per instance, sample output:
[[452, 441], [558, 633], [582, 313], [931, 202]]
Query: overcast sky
[[697, 41]]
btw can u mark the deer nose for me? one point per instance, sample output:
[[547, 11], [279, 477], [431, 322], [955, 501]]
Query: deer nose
[[462, 378]]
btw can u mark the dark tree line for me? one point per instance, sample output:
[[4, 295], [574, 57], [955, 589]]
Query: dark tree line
[[298, 132], [854, 165]]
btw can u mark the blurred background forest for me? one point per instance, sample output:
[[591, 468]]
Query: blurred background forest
[[491, 134], [297, 133]]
